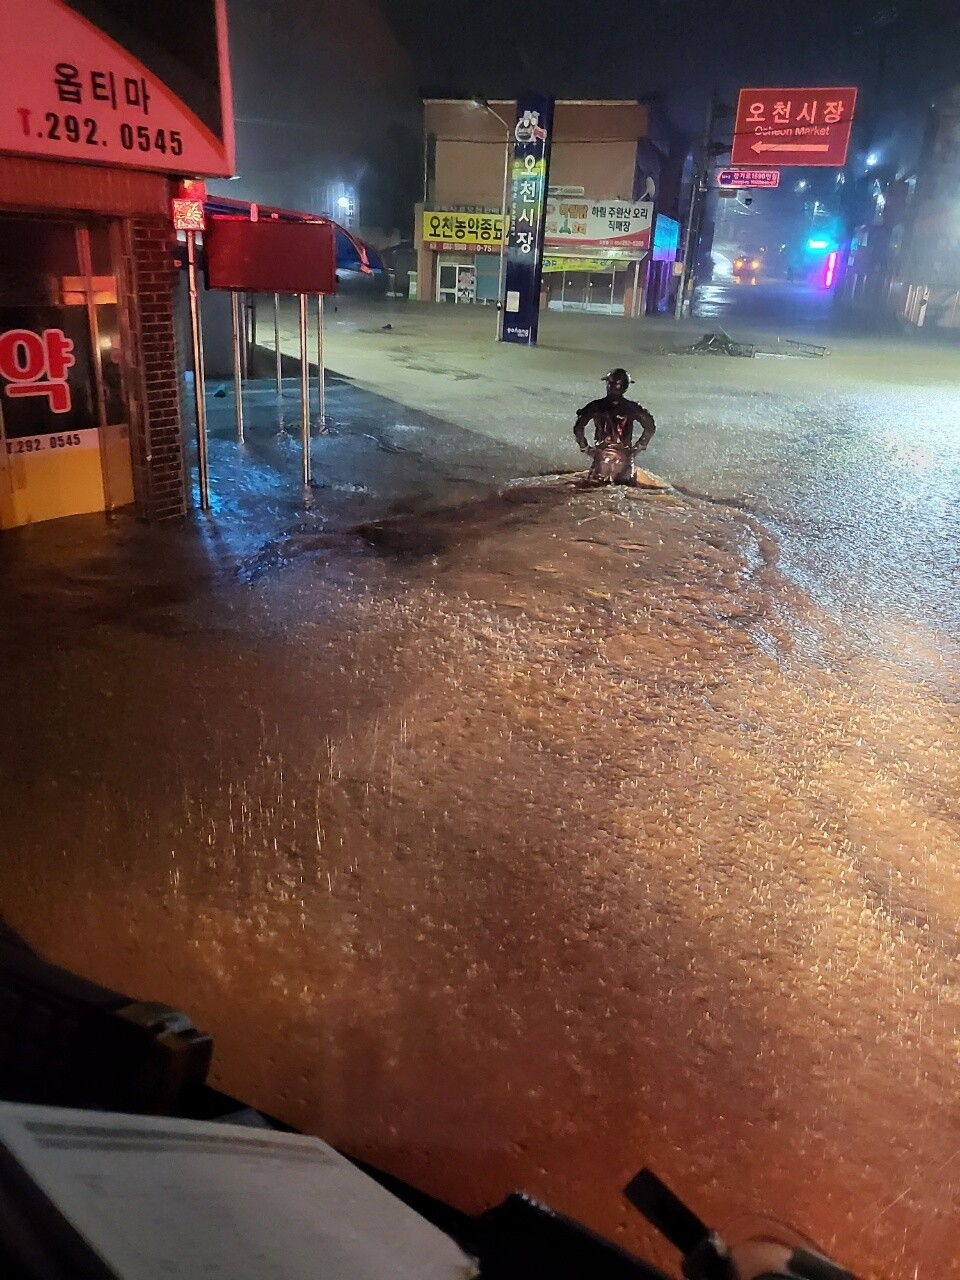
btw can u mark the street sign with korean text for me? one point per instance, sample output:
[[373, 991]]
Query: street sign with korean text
[[599, 224], [528, 206], [748, 178], [793, 127], [116, 83], [478, 232]]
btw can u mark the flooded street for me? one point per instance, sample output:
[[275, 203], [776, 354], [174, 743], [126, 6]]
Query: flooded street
[[509, 834]]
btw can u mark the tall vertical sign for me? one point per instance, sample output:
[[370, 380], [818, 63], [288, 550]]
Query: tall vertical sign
[[528, 208]]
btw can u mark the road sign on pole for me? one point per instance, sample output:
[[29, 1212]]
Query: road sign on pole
[[727, 178], [793, 126]]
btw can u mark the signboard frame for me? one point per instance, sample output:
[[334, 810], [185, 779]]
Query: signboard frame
[[270, 256]]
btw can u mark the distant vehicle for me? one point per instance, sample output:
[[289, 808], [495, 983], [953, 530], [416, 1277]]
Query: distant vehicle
[[747, 266]]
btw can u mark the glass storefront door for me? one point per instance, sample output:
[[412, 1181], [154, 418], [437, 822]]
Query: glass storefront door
[[64, 426], [456, 280]]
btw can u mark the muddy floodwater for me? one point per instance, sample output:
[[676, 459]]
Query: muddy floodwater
[[520, 846], [524, 842]]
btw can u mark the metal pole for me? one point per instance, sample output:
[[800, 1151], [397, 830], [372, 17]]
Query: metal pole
[[237, 364], [503, 240], [634, 310], [304, 392], [199, 381], [321, 376], [276, 340], [248, 310], [698, 187]]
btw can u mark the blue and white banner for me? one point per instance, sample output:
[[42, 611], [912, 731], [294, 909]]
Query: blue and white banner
[[528, 205]]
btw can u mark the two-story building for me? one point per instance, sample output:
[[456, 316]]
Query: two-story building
[[605, 175]]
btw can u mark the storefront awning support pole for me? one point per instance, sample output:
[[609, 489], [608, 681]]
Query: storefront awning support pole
[[304, 392], [321, 377], [237, 363], [507, 150], [199, 381], [276, 340]]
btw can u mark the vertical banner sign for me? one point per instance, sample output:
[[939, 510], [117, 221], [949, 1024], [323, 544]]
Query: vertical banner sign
[[528, 208]]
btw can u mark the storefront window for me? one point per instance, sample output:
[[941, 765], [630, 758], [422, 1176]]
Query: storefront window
[[63, 408], [46, 357]]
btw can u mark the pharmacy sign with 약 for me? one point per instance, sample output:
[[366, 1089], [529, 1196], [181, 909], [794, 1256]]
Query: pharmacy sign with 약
[[780, 127]]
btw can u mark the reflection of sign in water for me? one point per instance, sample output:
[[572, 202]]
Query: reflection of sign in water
[[599, 223]]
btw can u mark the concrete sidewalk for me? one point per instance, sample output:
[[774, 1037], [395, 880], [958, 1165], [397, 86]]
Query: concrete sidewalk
[[445, 361]]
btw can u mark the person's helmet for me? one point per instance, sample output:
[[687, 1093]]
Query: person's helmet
[[617, 379]]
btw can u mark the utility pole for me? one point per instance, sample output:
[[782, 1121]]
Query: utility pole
[[699, 185], [484, 105], [699, 194]]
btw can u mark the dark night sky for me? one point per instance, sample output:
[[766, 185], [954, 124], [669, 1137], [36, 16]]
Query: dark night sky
[[327, 90], [900, 54]]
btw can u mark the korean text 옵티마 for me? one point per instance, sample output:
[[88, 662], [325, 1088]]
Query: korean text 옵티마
[[129, 94]]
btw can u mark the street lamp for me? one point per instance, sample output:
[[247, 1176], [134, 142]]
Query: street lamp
[[508, 138]]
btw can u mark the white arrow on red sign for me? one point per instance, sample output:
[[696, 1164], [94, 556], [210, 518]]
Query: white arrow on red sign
[[790, 146]]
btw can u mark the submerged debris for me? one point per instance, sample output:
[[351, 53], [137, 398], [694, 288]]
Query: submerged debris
[[719, 344]]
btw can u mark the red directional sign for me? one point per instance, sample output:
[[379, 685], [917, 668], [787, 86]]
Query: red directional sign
[[793, 126], [748, 178]]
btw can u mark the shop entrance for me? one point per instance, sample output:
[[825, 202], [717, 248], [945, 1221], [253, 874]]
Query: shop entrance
[[456, 281], [603, 287], [64, 407]]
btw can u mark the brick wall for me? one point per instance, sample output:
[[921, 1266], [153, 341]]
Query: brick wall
[[65, 185], [156, 436]]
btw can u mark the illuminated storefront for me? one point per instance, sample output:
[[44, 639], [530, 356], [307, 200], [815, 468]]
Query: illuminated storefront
[[92, 137]]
